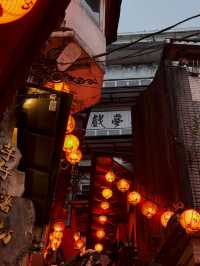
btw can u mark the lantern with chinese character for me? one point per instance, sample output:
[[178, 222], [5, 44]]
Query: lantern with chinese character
[[123, 185], [107, 193], [102, 219], [71, 143], [105, 205], [59, 226], [74, 156], [79, 244], [149, 209], [190, 221], [100, 234], [165, 217], [98, 247], [134, 198], [76, 236], [110, 176], [70, 124], [12, 10]]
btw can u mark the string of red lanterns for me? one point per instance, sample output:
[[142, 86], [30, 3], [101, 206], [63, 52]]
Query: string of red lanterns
[[55, 237], [71, 143], [189, 219]]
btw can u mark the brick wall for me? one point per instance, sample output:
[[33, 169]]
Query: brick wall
[[167, 154]]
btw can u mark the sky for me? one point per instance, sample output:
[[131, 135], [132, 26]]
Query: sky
[[147, 15]]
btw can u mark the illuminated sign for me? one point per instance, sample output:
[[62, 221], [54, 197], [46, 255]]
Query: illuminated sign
[[11, 10]]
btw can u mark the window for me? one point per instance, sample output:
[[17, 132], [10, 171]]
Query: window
[[92, 7]]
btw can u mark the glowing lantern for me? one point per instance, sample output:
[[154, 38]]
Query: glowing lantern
[[74, 157], [100, 234], [165, 217], [76, 236], [110, 176], [61, 86], [71, 143], [102, 219], [107, 193], [105, 205], [190, 221], [70, 124], [59, 226], [80, 244], [134, 198], [98, 247], [149, 209], [57, 234], [12, 10], [123, 185], [55, 243]]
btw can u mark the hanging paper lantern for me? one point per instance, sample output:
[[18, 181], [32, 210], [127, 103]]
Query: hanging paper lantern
[[134, 198], [165, 217], [190, 221], [110, 176], [102, 219], [76, 236], [149, 209], [57, 234], [71, 143], [12, 10], [98, 247], [55, 243], [80, 244], [60, 85], [70, 124], [59, 226], [74, 156], [100, 234], [107, 193], [123, 185], [105, 205]]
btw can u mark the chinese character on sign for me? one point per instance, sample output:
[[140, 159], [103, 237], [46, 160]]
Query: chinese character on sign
[[117, 120], [97, 120]]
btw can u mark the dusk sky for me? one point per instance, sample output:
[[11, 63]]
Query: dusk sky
[[145, 15]]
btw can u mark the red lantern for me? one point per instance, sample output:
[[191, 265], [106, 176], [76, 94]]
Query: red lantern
[[107, 193], [74, 156], [79, 244], [59, 226], [190, 221], [100, 234], [71, 143], [98, 247], [123, 185], [134, 197], [165, 217], [102, 219], [105, 205], [149, 209], [76, 236], [110, 176], [70, 124], [13, 10]]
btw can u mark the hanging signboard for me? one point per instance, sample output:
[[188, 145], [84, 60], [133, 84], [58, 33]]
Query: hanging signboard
[[109, 123]]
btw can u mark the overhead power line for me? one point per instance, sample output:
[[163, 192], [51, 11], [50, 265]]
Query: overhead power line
[[147, 36]]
